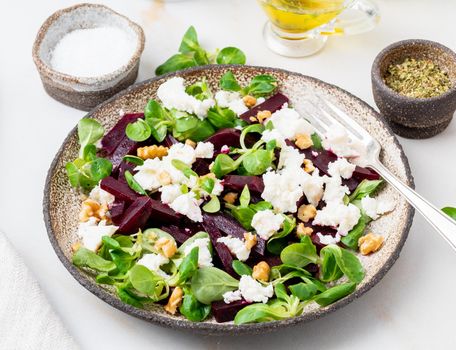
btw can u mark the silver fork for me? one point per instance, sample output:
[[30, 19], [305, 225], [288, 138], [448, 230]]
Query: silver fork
[[442, 223]]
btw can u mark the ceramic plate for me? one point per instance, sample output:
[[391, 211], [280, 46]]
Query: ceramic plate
[[62, 204]]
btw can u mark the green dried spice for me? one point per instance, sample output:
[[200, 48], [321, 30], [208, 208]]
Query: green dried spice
[[417, 78]]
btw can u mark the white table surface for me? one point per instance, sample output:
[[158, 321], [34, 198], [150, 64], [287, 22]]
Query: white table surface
[[413, 307]]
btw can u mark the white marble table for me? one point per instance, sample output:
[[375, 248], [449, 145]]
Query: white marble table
[[413, 307]]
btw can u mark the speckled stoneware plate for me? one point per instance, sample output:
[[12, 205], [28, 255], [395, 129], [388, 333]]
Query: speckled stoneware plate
[[62, 204]]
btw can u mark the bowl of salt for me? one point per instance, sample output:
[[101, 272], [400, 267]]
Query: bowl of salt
[[87, 53]]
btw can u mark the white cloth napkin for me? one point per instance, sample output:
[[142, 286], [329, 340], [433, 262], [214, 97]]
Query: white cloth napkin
[[27, 320]]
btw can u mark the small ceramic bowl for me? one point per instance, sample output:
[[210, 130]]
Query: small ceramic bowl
[[84, 92], [410, 117]]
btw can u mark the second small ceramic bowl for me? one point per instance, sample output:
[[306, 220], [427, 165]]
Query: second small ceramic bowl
[[84, 92], [410, 117]]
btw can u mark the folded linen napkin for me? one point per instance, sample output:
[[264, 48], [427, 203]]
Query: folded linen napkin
[[27, 320]]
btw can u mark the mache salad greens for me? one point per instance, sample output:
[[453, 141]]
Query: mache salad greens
[[222, 201]]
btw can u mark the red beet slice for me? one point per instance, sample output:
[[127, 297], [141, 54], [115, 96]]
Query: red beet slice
[[169, 141], [126, 146], [229, 225], [229, 137], [118, 189], [273, 103], [179, 234], [201, 167], [122, 168], [116, 135], [117, 209], [162, 213], [226, 312], [237, 183], [211, 227], [136, 216]]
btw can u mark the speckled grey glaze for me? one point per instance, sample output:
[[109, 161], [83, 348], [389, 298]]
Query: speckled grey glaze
[[84, 92], [416, 118], [61, 204]]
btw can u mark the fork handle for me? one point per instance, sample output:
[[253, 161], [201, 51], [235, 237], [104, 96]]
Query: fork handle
[[437, 218]]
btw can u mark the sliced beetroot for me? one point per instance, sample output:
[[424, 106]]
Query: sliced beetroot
[[136, 216], [237, 183], [272, 104], [122, 168], [224, 254], [117, 209], [229, 137], [226, 312], [324, 230], [169, 141], [162, 213], [126, 146], [179, 233], [116, 135], [201, 167], [365, 174], [118, 189], [229, 225]]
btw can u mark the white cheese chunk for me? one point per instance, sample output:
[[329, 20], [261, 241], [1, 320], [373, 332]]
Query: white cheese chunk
[[153, 262], [312, 186], [334, 190], [231, 296], [336, 214], [186, 204], [338, 141], [236, 246], [266, 223], [289, 123], [147, 175], [169, 193], [341, 167], [328, 239], [231, 100], [184, 153], [92, 232], [204, 150], [204, 255], [253, 291], [101, 196], [173, 96], [374, 207], [290, 157]]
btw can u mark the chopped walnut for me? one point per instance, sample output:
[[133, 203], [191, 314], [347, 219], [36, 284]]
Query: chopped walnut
[[250, 240], [164, 178], [261, 271], [306, 212], [166, 246], [174, 300], [150, 152], [249, 101], [230, 197], [75, 246], [91, 208], [302, 230], [253, 119], [370, 243], [308, 166], [190, 143], [263, 115], [303, 141]]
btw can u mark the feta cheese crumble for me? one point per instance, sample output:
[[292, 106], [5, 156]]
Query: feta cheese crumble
[[236, 246], [312, 186], [204, 150], [341, 167], [147, 175], [183, 152], [335, 214], [328, 239], [231, 100], [169, 193], [253, 291], [204, 255], [153, 262], [338, 141], [230, 296], [101, 196], [186, 204], [290, 157], [173, 96], [334, 190], [289, 123], [91, 233], [374, 207], [266, 223]]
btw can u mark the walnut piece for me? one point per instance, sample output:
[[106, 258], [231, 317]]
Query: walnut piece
[[306, 212], [261, 271], [150, 152], [190, 143], [230, 197], [249, 101], [302, 230], [263, 115], [166, 246], [308, 166], [174, 300], [91, 208], [303, 141], [250, 240], [370, 243]]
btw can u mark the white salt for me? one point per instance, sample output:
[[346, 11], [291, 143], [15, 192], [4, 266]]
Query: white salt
[[93, 52]]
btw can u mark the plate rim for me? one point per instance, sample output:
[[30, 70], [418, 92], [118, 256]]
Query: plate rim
[[212, 328]]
